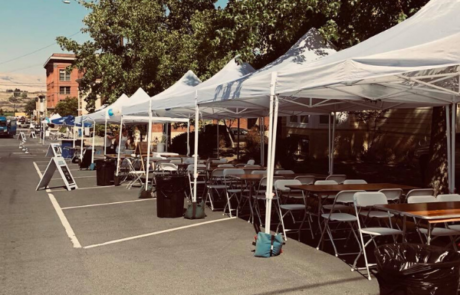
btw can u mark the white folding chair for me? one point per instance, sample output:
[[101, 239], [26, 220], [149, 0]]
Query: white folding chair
[[342, 198], [216, 186], [435, 231], [326, 182], [282, 190], [251, 162], [369, 199], [225, 166], [392, 194], [234, 189], [260, 172], [135, 174], [284, 172], [419, 192], [252, 166], [306, 179], [354, 181], [259, 194], [201, 178], [339, 178], [448, 198]]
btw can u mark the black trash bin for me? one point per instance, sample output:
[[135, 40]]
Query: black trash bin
[[417, 270], [170, 190], [105, 169]]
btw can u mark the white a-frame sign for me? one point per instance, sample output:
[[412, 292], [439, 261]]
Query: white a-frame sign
[[54, 150], [57, 163]]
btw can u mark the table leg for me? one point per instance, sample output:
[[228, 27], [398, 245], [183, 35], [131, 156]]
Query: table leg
[[428, 240]]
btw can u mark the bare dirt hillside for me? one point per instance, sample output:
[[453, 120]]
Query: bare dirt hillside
[[9, 103], [30, 83]]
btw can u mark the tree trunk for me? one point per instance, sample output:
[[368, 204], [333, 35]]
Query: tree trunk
[[437, 166]]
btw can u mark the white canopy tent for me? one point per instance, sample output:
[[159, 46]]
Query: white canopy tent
[[149, 120], [411, 65], [188, 81]]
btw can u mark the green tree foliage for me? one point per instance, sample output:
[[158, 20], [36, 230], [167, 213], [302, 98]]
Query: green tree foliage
[[67, 107], [150, 44], [30, 107]]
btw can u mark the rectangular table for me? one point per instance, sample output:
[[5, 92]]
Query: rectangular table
[[436, 212]]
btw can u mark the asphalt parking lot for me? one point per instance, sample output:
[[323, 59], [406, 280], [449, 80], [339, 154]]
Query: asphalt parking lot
[[104, 240]]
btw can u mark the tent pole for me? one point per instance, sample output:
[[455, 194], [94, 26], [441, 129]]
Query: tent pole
[[188, 138], [270, 164], [105, 136], [238, 140], [167, 136], [333, 142], [82, 138], [452, 168], [262, 141], [329, 143], [73, 133], [217, 138], [449, 172], [195, 168], [92, 147], [149, 140], [119, 143]]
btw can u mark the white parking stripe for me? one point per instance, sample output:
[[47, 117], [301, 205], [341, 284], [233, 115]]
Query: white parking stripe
[[64, 221], [106, 204], [157, 233]]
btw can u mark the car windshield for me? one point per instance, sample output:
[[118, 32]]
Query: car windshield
[[2, 123]]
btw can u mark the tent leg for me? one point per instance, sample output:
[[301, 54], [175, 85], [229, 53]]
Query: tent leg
[[217, 125], [195, 168], [238, 142], [449, 172], [93, 143], [149, 140], [271, 158], [329, 145], [333, 142], [452, 167], [105, 137], [82, 138], [188, 138], [119, 147], [262, 141]]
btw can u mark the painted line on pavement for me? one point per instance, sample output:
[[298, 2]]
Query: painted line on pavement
[[85, 188], [157, 233], [79, 177], [60, 213], [106, 204]]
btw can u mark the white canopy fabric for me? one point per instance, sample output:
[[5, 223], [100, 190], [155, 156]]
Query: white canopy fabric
[[216, 99], [183, 104], [409, 65], [99, 116], [188, 81]]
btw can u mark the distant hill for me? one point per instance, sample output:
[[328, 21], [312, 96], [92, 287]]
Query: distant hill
[[30, 83]]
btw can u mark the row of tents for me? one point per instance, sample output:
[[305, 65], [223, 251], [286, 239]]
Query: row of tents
[[413, 64]]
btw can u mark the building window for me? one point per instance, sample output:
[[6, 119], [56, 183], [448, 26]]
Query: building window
[[63, 75], [64, 90], [303, 119]]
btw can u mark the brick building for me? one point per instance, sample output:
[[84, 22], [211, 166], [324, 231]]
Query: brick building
[[59, 83]]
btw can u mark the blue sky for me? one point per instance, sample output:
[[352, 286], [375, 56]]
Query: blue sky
[[29, 25]]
